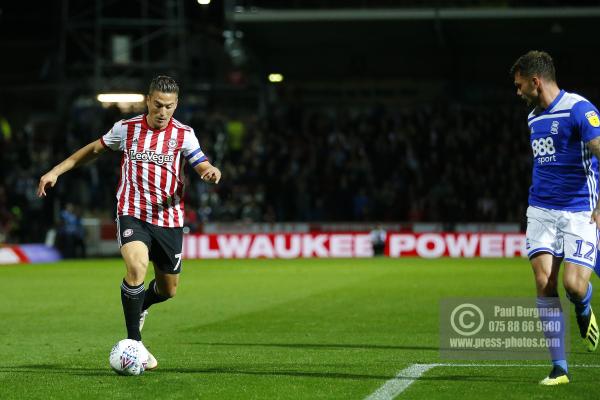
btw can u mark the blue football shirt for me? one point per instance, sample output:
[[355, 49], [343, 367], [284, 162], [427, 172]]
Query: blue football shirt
[[565, 173]]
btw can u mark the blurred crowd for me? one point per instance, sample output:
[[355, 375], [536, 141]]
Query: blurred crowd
[[378, 164], [295, 163]]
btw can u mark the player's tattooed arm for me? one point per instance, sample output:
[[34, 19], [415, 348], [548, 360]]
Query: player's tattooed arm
[[594, 146]]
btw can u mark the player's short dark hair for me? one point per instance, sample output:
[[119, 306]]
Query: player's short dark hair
[[163, 83], [535, 62]]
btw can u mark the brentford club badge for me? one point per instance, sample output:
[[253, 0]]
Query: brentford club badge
[[172, 143], [128, 232]]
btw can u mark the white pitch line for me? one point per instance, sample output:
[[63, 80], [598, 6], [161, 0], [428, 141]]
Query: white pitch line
[[400, 382], [403, 379], [516, 365]]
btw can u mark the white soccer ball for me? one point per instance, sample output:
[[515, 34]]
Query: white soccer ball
[[128, 357]]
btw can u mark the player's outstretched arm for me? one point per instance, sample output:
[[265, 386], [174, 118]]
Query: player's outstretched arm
[[84, 155], [594, 146], [208, 172]]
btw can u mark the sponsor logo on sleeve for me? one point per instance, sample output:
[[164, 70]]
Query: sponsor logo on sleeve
[[593, 119]]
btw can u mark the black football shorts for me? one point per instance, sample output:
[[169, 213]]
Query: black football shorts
[[164, 244]]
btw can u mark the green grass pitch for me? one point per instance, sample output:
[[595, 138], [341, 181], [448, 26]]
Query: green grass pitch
[[262, 329]]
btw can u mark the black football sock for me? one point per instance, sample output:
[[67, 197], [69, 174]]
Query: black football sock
[[152, 296], [132, 298]]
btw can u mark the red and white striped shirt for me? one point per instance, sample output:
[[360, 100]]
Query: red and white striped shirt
[[151, 184]]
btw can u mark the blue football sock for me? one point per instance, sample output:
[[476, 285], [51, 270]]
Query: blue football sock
[[561, 363], [548, 307], [582, 307]]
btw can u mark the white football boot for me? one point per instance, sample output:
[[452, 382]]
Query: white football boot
[[151, 363], [143, 316]]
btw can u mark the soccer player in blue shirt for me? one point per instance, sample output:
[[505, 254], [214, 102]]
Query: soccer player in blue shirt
[[563, 215]]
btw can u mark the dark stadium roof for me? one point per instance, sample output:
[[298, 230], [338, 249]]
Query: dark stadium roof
[[468, 48], [422, 47]]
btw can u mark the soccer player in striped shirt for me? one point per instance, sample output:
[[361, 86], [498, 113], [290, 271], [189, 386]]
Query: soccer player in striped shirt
[[149, 197], [563, 214]]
